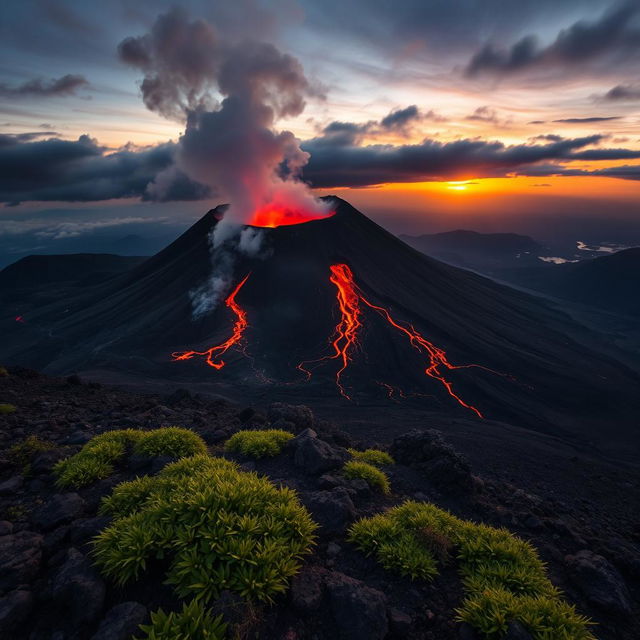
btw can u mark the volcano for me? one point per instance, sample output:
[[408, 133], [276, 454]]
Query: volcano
[[340, 308]]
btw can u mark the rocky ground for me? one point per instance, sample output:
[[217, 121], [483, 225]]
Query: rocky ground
[[49, 589]]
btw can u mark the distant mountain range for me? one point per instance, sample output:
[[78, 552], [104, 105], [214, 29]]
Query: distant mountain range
[[609, 282], [484, 252]]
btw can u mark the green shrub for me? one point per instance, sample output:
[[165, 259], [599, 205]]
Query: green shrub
[[258, 444], [97, 458], [6, 408], [170, 441], [372, 456], [503, 577], [194, 622], [218, 527], [374, 477], [20, 454]]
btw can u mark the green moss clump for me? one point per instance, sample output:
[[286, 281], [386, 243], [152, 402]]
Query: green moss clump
[[194, 622], [173, 441], [258, 444], [503, 577], [374, 476], [372, 456], [20, 454], [6, 408], [97, 458], [218, 527]]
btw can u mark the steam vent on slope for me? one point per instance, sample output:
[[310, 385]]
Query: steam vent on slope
[[339, 308]]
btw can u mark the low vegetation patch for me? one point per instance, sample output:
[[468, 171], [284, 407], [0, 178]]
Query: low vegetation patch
[[6, 408], [217, 528], [372, 456], [258, 444], [97, 458], [374, 477], [503, 577], [194, 622], [20, 454]]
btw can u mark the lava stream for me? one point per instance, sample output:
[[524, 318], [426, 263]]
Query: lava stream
[[238, 330], [345, 336], [344, 341]]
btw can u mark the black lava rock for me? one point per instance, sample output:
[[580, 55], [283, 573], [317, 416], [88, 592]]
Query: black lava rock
[[78, 590], [121, 622], [20, 557], [599, 581], [359, 611], [60, 509], [332, 510]]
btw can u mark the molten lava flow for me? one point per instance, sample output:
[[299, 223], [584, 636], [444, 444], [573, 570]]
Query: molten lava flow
[[344, 339], [437, 356], [20, 319], [238, 330], [276, 215]]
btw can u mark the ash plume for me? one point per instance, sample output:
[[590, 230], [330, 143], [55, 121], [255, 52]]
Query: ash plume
[[230, 95]]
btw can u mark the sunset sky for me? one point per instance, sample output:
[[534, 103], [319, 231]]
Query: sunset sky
[[489, 114]]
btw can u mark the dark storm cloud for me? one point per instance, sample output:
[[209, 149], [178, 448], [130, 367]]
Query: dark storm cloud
[[343, 165], [400, 118], [39, 88], [81, 170], [614, 33], [338, 133], [625, 172], [8, 139], [587, 120], [623, 92]]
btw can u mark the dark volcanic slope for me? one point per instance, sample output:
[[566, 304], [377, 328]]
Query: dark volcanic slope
[[137, 320]]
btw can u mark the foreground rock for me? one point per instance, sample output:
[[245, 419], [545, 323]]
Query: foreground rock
[[599, 581], [20, 557], [121, 622]]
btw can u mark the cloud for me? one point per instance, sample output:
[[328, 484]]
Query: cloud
[[39, 88], [489, 115], [622, 93], [357, 166], [587, 120], [81, 170], [400, 119], [615, 33]]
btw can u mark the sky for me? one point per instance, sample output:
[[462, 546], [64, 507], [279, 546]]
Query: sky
[[487, 114]]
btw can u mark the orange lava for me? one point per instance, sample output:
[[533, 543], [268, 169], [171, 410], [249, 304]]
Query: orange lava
[[274, 215], [19, 319], [344, 340], [212, 355]]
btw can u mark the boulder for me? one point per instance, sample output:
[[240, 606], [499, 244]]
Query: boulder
[[44, 461], [6, 527], [332, 510], [121, 622], [444, 467], [307, 588], [78, 589], [10, 486], [60, 509], [517, 631], [599, 581], [316, 456], [20, 557], [297, 414], [14, 608], [360, 612]]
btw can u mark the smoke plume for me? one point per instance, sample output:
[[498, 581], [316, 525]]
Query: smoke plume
[[230, 96]]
